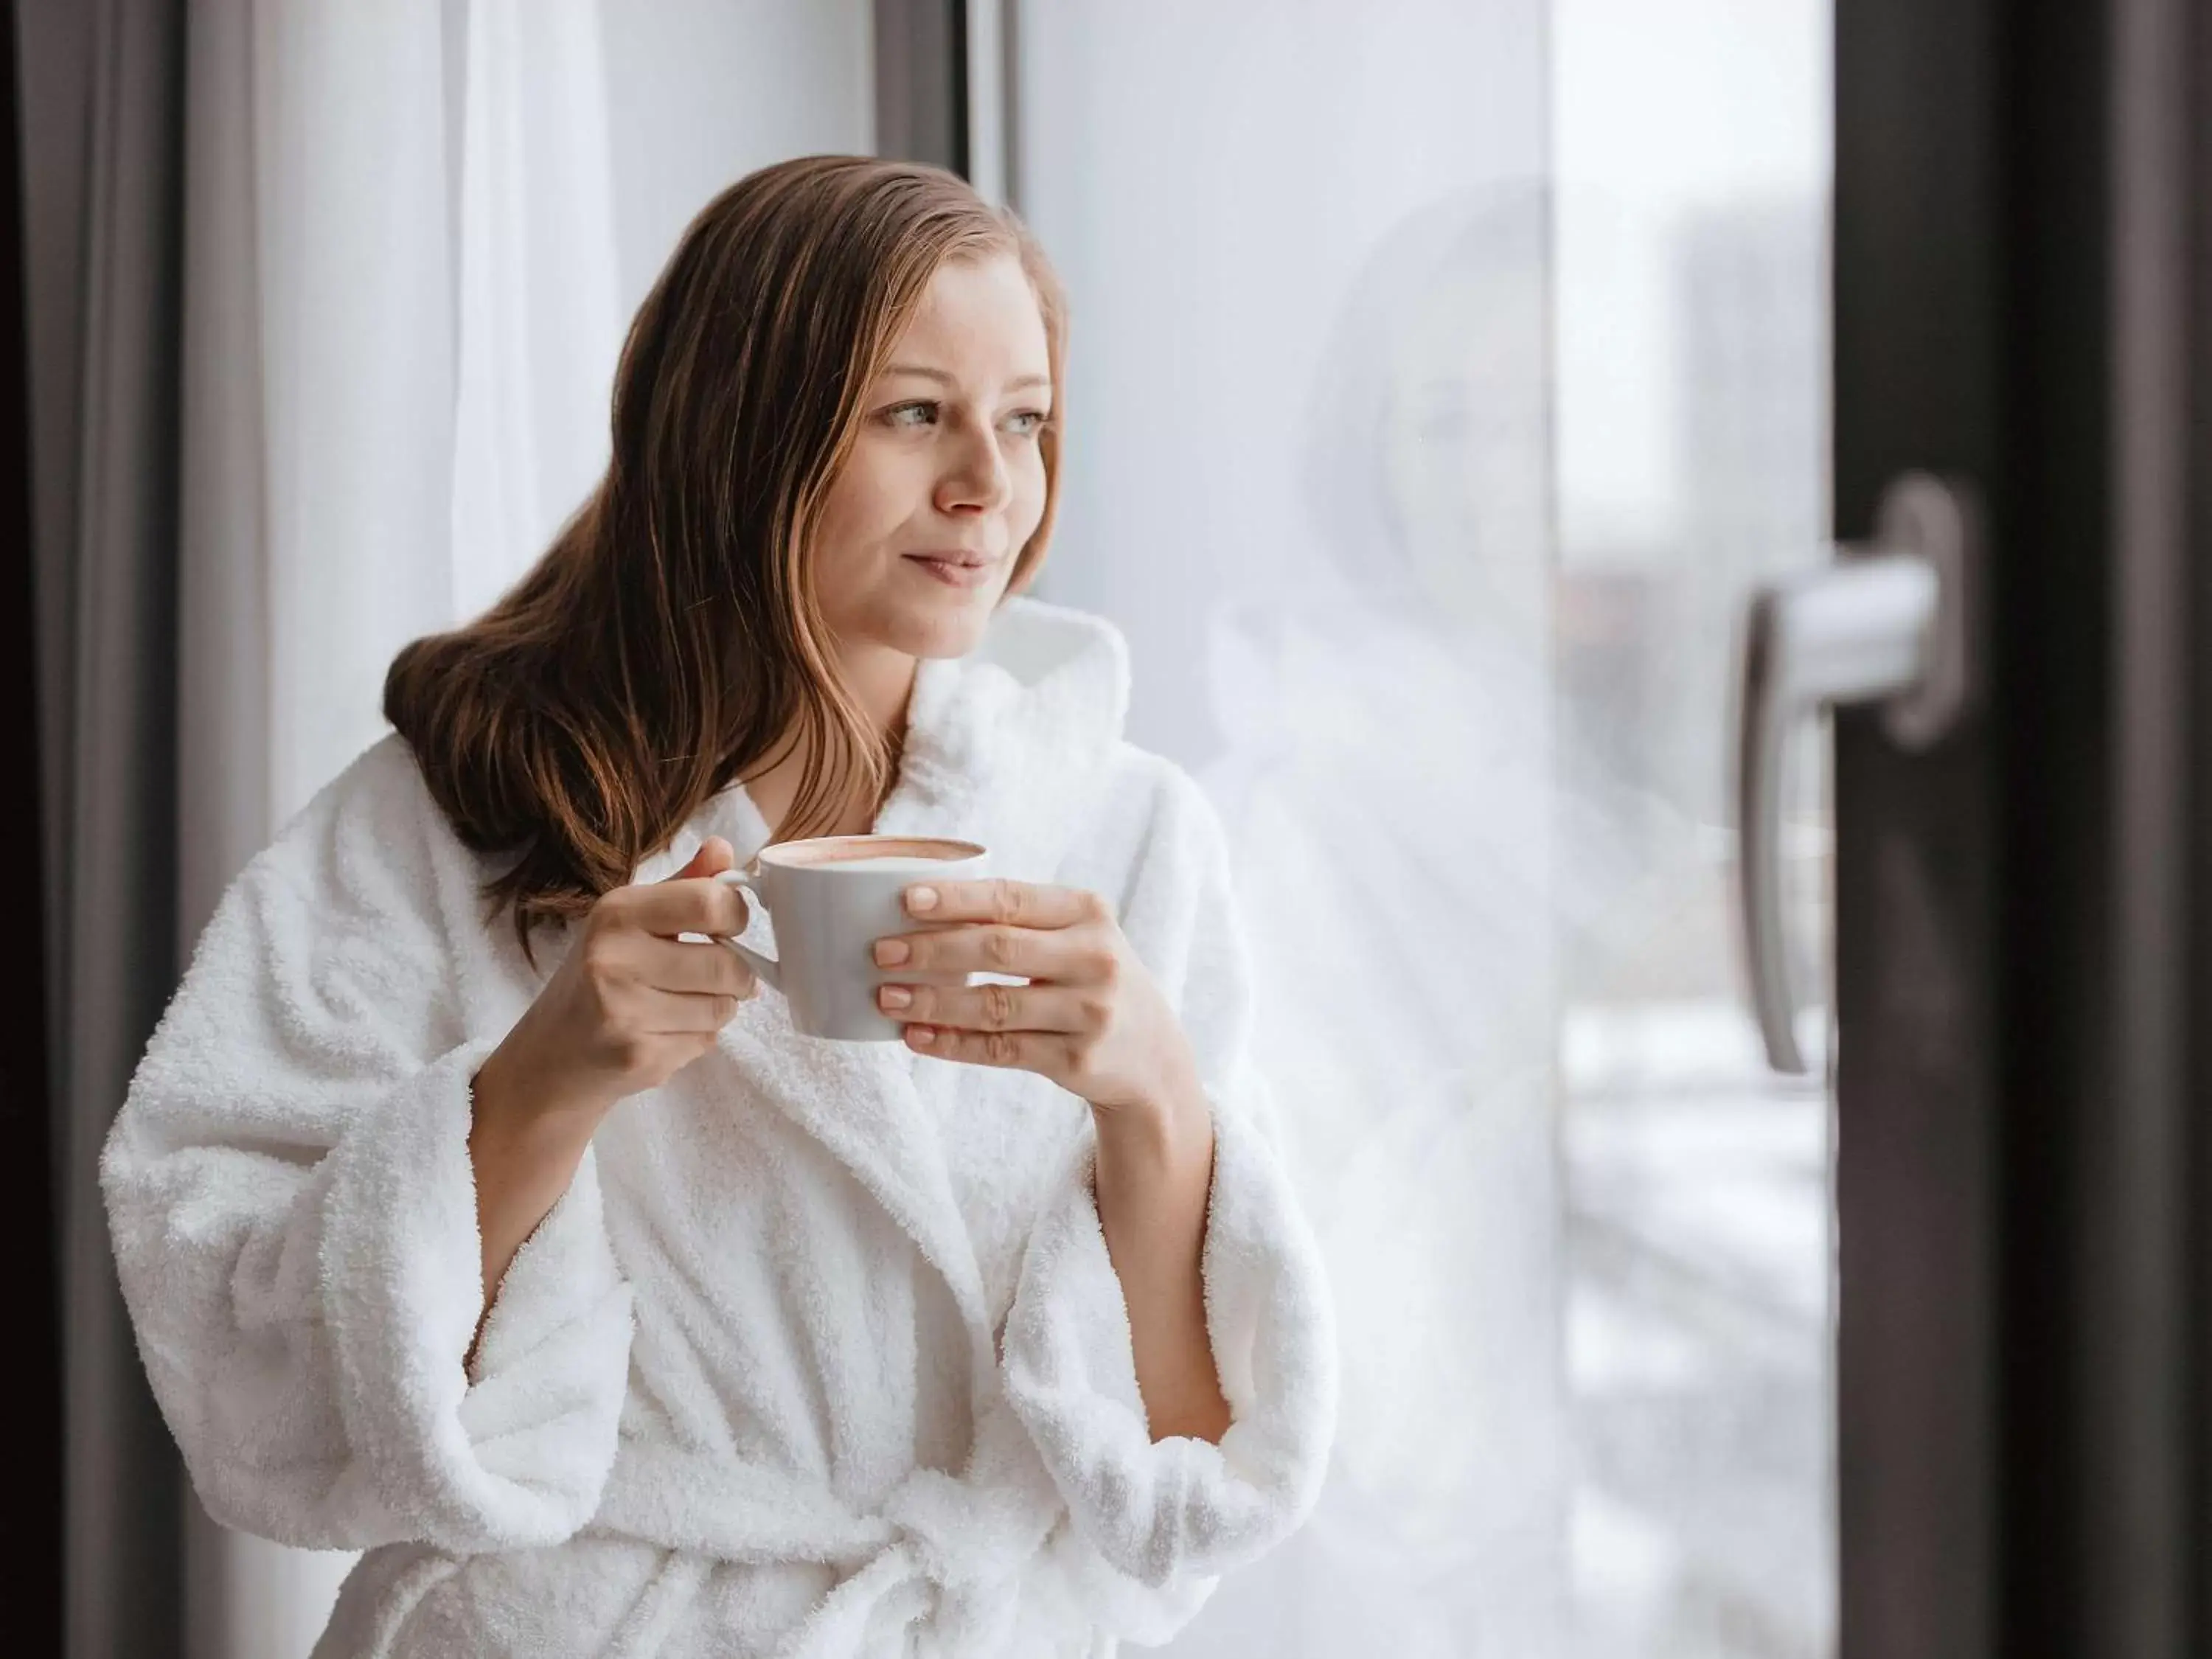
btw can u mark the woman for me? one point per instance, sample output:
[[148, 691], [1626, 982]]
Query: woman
[[473, 1209]]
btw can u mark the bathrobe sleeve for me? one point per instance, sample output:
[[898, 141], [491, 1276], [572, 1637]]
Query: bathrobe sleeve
[[1173, 1516], [292, 1210]]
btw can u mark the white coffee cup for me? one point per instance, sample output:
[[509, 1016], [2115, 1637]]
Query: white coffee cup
[[830, 899]]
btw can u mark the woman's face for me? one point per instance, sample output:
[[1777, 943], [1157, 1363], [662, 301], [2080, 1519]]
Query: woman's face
[[946, 482], [1465, 457]]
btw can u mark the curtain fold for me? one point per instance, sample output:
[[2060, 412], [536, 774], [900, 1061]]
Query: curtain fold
[[100, 90]]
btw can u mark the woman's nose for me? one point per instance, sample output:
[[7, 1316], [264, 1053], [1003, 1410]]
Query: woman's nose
[[979, 477]]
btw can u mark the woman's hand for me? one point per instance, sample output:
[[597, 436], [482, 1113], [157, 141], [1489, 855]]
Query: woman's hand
[[1091, 1019], [632, 1004]]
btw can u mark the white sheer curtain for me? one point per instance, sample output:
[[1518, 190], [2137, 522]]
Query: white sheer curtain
[[416, 232], [400, 328]]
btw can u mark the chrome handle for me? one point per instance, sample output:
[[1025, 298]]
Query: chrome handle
[[1893, 621]]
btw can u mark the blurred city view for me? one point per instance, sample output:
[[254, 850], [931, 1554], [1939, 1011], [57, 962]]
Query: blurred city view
[[1698, 1200]]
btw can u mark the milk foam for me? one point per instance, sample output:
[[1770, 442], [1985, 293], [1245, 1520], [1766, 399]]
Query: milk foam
[[912, 866]]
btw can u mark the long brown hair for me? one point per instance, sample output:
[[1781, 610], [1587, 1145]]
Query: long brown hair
[[672, 633]]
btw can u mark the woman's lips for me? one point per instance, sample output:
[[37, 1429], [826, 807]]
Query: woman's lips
[[953, 574]]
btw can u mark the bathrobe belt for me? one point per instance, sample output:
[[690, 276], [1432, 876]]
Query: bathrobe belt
[[936, 1548]]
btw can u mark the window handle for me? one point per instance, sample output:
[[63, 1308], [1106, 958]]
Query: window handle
[[1893, 621]]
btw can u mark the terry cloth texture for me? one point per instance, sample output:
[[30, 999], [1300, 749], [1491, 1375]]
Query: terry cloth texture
[[821, 1354]]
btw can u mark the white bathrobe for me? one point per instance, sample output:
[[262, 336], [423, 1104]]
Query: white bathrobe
[[822, 1352]]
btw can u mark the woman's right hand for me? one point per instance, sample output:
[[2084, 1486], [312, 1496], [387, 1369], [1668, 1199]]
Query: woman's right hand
[[631, 1005]]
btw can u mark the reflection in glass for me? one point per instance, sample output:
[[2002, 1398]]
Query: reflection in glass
[[1425, 445]]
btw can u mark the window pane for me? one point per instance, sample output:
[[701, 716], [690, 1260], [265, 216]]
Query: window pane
[[1443, 374]]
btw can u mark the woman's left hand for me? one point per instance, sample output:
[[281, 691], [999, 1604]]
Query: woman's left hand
[[1091, 1019]]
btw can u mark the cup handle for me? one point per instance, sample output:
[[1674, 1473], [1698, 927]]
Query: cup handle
[[767, 967]]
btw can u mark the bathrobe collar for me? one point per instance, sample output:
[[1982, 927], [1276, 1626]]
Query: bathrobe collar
[[1005, 746]]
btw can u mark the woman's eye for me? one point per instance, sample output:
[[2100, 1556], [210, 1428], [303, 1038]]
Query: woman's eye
[[925, 412]]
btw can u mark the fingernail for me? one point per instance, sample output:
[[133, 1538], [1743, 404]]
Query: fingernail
[[889, 952], [922, 898], [894, 996], [923, 1035]]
